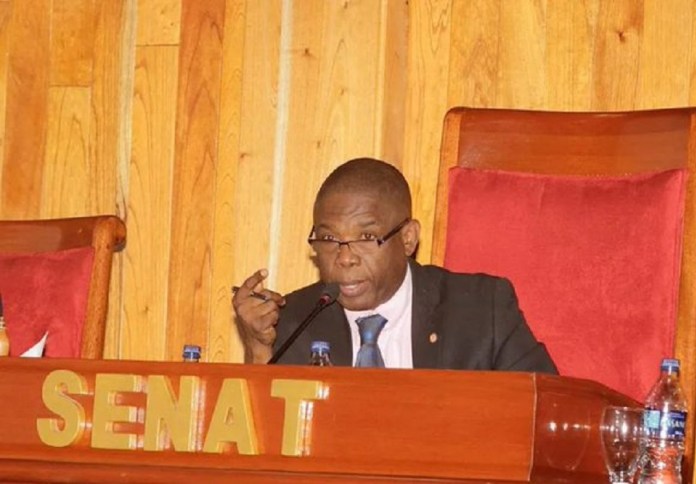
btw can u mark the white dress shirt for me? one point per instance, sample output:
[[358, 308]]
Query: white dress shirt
[[395, 339]]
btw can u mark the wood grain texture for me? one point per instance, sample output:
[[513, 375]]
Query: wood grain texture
[[66, 175], [159, 22], [27, 101], [333, 86], [473, 55], [5, 15], [363, 78], [223, 340], [616, 59], [144, 323], [195, 171], [423, 426], [111, 100], [521, 72], [112, 89], [252, 197], [429, 54], [73, 24], [665, 60], [571, 29], [392, 82]]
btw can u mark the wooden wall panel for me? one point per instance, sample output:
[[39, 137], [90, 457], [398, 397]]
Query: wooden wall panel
[[473, 55], [73, 24], [212, 145], [692, 54], [195, 166], [521, 73], [223, 340], [616, 59], [428, 74], [334, 86], [66, 174], [570, 38], [5, 15], [392, 80], [253, 194], [27, 103], [146, 264], [159, 22], [112, 87], [663, 78]]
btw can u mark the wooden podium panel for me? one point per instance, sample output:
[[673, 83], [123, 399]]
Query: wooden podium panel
[[126, 421]]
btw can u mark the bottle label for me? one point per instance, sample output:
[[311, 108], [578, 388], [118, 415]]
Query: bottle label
[[665, 425]]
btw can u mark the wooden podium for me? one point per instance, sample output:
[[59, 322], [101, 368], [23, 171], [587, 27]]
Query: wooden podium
[[126, 421]]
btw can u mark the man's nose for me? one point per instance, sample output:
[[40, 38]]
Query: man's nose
[[346, 257]]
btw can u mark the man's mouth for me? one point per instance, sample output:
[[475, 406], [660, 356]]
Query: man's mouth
[[352, 288]]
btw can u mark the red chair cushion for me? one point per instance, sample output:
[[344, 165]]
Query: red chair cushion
[[46, 292], [595, 263]]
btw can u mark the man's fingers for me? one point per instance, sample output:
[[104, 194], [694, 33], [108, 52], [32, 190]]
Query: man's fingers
[[253, 288], [257, 310], [256, 278], [264, 310], [268, 295]]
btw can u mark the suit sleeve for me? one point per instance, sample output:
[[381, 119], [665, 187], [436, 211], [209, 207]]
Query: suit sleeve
[[516, 348]]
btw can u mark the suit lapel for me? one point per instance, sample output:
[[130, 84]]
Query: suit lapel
[[425, 300], [332, 326]]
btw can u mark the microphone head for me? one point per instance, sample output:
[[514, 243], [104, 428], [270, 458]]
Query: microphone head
[[329, 294]]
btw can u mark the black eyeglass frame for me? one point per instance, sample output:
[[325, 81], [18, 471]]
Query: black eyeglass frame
[[379, 241]]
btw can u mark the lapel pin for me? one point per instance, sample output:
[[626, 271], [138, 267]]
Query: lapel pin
[[433, 337]]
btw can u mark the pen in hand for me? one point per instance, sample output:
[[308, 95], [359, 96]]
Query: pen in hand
[[257, 295]]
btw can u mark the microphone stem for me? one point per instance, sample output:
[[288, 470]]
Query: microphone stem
[[284, 347]]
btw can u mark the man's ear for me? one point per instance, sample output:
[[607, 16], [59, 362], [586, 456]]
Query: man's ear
[[410, 236]]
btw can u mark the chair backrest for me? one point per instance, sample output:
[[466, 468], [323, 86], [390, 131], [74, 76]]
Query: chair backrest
[[591, 215], [90, 241]]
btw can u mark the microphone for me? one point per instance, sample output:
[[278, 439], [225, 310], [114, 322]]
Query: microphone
[[328, 296]]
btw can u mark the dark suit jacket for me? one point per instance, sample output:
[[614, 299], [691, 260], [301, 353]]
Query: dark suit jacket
[[460, 321]]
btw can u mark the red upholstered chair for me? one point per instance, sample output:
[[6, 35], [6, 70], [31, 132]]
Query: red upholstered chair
[[54, 276], [591, 216]]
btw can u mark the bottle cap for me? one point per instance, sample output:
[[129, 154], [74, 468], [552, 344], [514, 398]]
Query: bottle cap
[[191, 352], [669, 364], [320, 346]]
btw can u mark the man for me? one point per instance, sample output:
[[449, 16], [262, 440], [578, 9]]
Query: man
[[422, 316]]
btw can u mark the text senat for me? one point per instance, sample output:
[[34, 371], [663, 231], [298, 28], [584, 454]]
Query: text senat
[[170, 419]]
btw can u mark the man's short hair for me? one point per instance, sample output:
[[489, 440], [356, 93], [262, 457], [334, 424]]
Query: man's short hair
[[368, 175]]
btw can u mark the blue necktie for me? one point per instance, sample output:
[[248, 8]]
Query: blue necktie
[[369, 354]]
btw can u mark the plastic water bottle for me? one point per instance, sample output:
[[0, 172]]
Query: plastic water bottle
[[321, 354], [191, 353], [664, 420]]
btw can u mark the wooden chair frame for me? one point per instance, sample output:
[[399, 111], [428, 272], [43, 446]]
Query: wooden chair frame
[[654, 141], [105, 233]]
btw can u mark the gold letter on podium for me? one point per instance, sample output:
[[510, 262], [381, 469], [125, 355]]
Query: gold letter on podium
[[53, 393], [232, 420], [165, 415], [106, 412], [297, 425]]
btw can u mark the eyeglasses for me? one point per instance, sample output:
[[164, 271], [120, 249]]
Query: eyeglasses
[[325, 246]]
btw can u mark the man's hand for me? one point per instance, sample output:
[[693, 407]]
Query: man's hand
[[257, 311]]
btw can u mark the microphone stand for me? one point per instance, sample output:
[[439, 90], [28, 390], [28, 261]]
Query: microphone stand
[[326, 299]]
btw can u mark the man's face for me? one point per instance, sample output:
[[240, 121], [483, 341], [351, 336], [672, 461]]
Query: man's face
[[366, 278]]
